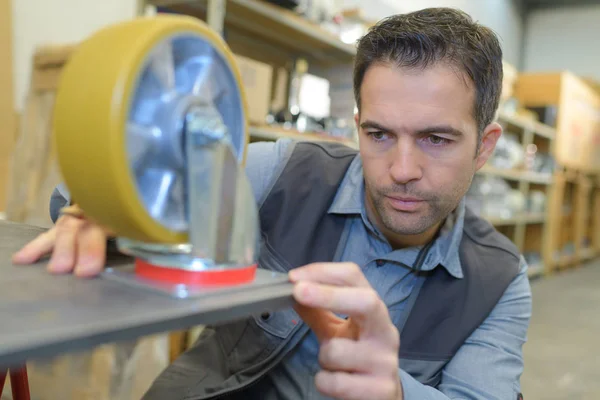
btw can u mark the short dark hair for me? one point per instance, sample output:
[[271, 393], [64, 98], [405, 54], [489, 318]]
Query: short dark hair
[[426, 37]]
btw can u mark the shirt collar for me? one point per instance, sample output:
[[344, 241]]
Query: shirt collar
[[350, 200], [446, 249]]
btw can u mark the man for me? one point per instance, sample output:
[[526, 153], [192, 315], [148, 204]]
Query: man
[[402, 292]]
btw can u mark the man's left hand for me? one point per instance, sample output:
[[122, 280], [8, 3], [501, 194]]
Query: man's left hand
[[358, 355]]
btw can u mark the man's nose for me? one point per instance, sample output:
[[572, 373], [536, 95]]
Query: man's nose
[[406, 162]]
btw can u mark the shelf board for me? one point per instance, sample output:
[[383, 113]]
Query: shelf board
[[533, 218], [587, 253], [525, 218], [566, 261], [274, 133], [274, 25], [539, 129], [544, 130], [517, 175], [535, 270]]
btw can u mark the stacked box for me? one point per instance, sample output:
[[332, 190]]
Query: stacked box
[[577, 144]]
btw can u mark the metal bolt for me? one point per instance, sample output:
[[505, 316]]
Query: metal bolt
[[181, 291], [205, 124]]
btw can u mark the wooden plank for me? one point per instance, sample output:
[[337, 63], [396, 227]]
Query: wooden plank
[[45, 79], [525, 218], [507, 230], [535, 270], [566, 244], [543, 130], [178, 343], [52, 56], [534, 238], [8, 116], [567, 261], [275, 25], [596, 220], [273, 133], [551, 246], [517, 175], [521, 124], [582, 192], [502, 221], [587, 254], [519, 239], [34, 173], [514, 121]]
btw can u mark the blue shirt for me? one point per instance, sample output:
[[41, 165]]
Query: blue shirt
[[489, 364]]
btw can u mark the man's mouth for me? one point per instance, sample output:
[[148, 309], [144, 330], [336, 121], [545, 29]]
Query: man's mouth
[[406, 204]]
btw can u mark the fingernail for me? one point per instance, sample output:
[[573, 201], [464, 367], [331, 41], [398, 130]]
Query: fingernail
[[84, 265], [297, 273], [54, 269], [303, 291], [84, 271]]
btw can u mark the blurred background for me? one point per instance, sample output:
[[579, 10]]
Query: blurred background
[[541, 188]]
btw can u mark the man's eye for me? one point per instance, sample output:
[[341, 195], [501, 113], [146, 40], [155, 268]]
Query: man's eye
[[438, 140], [377, 136]]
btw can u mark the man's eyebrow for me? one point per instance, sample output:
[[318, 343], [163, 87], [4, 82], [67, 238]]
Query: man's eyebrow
[[445, 129], [374, 125]]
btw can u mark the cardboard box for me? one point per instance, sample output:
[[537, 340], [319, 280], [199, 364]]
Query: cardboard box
[[578, 121], [280, 90], [511, 75], [257, 79], [595, 155]]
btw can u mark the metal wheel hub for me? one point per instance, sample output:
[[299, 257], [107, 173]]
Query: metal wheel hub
[[153, 146]]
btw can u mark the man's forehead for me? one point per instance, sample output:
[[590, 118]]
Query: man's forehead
[[435, 92], [438, 77]]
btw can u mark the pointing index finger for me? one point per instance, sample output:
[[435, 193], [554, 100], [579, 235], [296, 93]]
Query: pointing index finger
[[362, 305], [337, 274], [342, 288]]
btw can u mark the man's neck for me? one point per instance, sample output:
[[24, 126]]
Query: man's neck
[[403, 241]]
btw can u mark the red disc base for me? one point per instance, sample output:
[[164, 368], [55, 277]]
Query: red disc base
[[226, 277]]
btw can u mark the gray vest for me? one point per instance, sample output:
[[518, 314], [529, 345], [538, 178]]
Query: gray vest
[[227, 358]]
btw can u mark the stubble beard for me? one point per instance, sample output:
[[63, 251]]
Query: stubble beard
[[435, 210]]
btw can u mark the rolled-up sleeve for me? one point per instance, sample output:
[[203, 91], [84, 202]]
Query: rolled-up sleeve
[[488, 366], [263, 160]]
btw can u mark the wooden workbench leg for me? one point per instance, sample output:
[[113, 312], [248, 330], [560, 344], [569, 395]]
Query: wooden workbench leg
[[19, 383]]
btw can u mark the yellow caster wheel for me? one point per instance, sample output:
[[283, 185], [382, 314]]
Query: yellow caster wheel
[[119, 120]]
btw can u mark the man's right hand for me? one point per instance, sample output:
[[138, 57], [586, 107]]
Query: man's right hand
[[76, 245]]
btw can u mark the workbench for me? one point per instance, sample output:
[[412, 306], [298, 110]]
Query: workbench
[[44, 315]]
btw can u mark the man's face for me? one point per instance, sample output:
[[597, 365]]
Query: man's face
[[418, 143]]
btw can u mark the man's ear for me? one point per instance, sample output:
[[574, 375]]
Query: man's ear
[[490, 137], [357, 120]]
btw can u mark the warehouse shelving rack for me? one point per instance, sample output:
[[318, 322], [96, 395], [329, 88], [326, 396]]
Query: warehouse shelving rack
[[275, 35], [571, 104], [529, 231], [576, 205], [268, 23]]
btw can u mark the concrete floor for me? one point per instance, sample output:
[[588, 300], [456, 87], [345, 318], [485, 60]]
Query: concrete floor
[[562, 355]]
